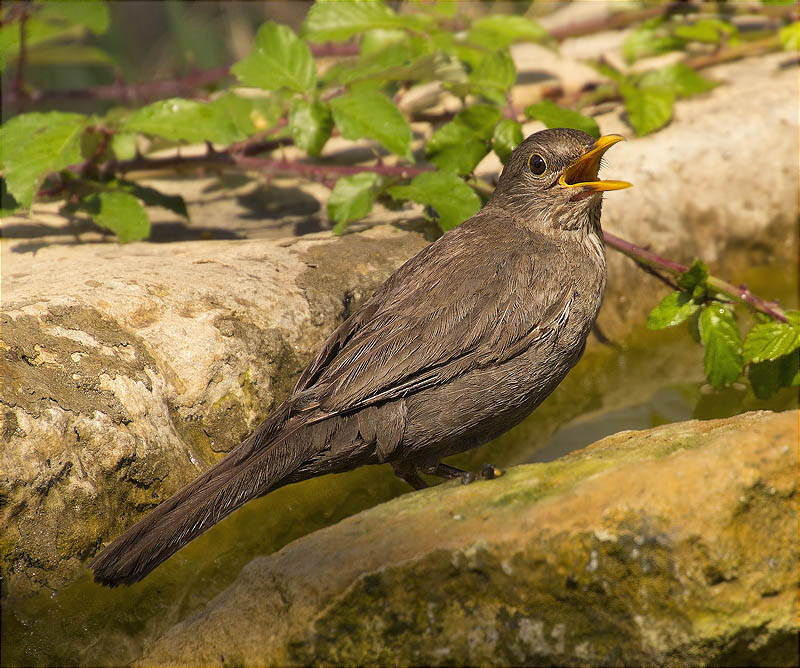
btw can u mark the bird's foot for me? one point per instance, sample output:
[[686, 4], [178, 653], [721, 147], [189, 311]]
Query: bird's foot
[[488, 472]]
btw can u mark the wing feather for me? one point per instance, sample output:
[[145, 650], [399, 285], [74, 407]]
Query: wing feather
[[472, 316]]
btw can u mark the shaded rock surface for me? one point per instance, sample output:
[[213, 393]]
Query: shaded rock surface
[[676, 545], [129, 369]]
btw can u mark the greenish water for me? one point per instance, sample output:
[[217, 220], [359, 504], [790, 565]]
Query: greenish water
[[649, 379]]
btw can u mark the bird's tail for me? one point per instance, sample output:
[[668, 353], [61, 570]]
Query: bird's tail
[[259, 464]]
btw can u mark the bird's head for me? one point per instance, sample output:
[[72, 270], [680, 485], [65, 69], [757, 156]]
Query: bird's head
[[550, 180]]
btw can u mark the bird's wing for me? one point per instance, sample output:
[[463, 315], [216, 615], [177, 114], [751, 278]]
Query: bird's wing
[[471, 299]]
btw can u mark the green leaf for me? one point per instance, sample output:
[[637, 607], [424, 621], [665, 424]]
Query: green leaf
[[722, 358], [452, 199], [770, 340], [352, 198], [310, 124], [124, 145], [374, 41], [770, 376], [678, 78], [369, 113], [650, 38], [461, 159], [493, 76], [339, 21], [648, 109], [500, 30], [695, 279], [89, 14], [238, 111], [121, 213], [33, 145], [789, 36], [553, 116], [186, 120], [709, 31], [279, 59], [458, 146], [37, 31], [507, 136], [674, 309]]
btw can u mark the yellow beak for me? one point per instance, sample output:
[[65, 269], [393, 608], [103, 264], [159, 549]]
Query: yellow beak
[[583, 172]]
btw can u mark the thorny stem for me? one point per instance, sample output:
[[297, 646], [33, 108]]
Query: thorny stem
[[648, 259]]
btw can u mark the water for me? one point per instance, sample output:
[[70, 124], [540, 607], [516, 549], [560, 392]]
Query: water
[[649, 379]]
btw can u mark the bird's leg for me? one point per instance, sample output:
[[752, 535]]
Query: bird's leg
[[451, 472], [408, 472]]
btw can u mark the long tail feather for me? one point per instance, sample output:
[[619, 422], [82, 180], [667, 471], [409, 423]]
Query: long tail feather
[[256, 466]]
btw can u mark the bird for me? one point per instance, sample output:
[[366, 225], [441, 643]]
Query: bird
[[460, 344]]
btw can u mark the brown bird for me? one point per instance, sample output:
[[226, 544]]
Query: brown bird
[[457, 346]]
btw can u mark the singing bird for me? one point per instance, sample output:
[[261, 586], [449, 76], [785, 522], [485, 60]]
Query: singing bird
[[456, 347]]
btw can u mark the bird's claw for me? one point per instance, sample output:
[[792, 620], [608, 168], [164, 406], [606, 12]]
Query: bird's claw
[[488, 472]]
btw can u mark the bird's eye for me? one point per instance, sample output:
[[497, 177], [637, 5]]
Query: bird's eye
[[537, 164]]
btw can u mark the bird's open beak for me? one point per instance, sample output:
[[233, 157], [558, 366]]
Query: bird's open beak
[[583, 172]]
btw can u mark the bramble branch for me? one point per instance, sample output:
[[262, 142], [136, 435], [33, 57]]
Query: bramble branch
[[651, 261]]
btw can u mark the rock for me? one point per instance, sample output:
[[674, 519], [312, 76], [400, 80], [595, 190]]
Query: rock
[[676, 545], [129, 369], [149, 362]]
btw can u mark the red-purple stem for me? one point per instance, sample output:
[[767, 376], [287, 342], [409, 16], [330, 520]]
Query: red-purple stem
[[649, 260]]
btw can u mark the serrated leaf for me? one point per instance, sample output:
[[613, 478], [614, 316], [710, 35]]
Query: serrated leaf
[[90, 14], [768, 377], [310, 124], [458, 146], [554, 116], [339, 21], [674, 309], [506, 137], [648, 109], [500, 30], [352, 198], [789, 36], [709, 31], [124, 145], [770, 340], [461, 159], [650, 38], [377, 40], [452, 199], [722, 359], [37, 31], [186, 120], [695, 279], [493, 76], [238, 110], [369, 113], [33, 145], [279, 59], [678, 78], [119, 212]]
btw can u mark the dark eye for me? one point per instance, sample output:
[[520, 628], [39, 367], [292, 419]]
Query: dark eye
[[537, 164]]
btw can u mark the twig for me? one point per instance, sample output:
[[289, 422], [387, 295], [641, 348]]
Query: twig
[[138, 92], [647, 258]]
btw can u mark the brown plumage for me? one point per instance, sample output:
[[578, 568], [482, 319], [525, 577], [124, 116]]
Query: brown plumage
[[457, 346]]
